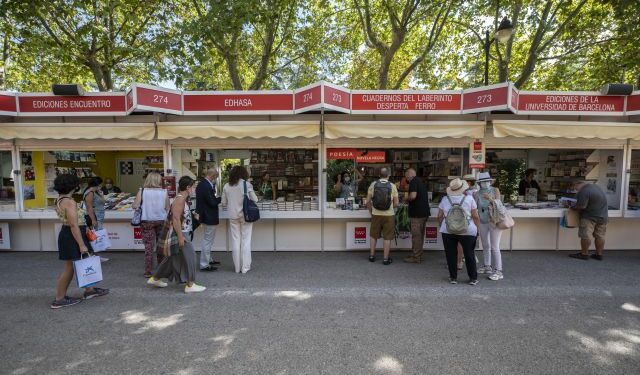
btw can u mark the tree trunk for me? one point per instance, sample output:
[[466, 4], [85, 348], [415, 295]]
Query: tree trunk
[[383, 73], [5, 58], [98, 74], [232, 66]]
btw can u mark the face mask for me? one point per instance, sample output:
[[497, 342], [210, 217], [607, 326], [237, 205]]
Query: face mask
[[108, 186], [347, 179], [485, 185]]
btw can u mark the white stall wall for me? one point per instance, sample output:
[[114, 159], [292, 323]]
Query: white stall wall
[[610, 178]]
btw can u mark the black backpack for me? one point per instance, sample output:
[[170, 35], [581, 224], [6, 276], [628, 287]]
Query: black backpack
[[381, 199]]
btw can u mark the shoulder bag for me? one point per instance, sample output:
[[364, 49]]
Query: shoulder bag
[[137, 213], [249, 207]]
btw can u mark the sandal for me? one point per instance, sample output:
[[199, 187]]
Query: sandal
[[579, 256]]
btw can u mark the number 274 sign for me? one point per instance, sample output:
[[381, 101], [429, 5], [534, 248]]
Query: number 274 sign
[[477, 154]]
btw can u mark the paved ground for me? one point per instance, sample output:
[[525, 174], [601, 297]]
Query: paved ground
[[329, 313]]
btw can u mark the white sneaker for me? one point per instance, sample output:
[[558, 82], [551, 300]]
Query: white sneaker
[[194, 288], [496, 276], [157, 282], [485, 270], [103, 259]]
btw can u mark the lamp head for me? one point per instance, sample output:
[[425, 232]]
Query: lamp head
[[505, 30]]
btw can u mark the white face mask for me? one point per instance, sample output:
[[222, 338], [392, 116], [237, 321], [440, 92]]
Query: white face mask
[[485, 184], [347, 179]]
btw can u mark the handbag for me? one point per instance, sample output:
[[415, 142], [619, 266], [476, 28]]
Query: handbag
[[136, 219], [249, 207], [91, 235], [507, 222], [102, 242], [88, 271], [572, 218]]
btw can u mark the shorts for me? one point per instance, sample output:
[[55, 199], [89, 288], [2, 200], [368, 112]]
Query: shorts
[[383, 226], [588, 226], [68, 248]]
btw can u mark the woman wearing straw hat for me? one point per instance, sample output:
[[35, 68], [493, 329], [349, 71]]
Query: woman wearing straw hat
[[453, 233], [489, 234], [471, 180]]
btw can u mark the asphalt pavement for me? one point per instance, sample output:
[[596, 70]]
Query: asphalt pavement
[[329, 313]]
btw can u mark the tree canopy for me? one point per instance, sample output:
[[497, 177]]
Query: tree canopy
[[277, 44]]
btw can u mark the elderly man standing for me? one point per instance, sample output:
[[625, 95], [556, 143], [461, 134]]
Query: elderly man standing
[[382, 197], [207, 209], [594, 215], [418, 199]]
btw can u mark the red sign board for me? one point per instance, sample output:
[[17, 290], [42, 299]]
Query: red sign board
[[406, 102], [567, 102], [308, 98], [357, 155], [431, 232], [360, 233], [485, 99], [157, 99], [95, 104], [513, 99], [137, 233], [322, 95], [130, 101], [8, 104], [336, 98], [633, 104], [238, 102]]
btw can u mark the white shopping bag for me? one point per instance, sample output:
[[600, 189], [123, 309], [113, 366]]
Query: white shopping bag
[[102, 241], [88, 271]]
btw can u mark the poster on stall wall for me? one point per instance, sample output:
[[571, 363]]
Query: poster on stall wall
[[122, 235], [359, 235], [5, 240], [169, 183], [477, 157]]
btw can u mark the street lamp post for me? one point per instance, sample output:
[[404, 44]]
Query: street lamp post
[[502, 34]]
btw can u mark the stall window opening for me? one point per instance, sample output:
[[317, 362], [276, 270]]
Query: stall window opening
[[7, 189]]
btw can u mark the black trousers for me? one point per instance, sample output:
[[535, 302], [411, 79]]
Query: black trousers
[[468, 243]]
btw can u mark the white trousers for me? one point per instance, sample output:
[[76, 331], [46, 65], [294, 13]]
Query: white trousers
[[207, 244], [241, 244], [490, 238]]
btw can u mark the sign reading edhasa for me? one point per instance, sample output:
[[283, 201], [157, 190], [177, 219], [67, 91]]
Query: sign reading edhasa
[[569, 103], [8, 104], [156, 99], [408, 102], [94, 104], [238, 102], [322, 95]]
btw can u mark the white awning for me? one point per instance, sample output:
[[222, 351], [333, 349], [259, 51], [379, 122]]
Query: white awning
[[238, 129], [404, 129], [566, 129], [71, 130]]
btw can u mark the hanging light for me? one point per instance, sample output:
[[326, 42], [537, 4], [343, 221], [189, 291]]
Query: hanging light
[[505, 30]]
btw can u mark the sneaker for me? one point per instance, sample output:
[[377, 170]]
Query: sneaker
[[387, 261], [157, 282], [95, 292], [412, 259], [194, 288], [496, 276], [485, 270], [372, 258], [473, 282], [596, 257], [104, 259], [579, 256], [65, 302], [209, 269], [214, 263], [452, 281]]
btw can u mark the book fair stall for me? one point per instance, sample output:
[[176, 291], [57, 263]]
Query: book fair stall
[[313, 152]]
